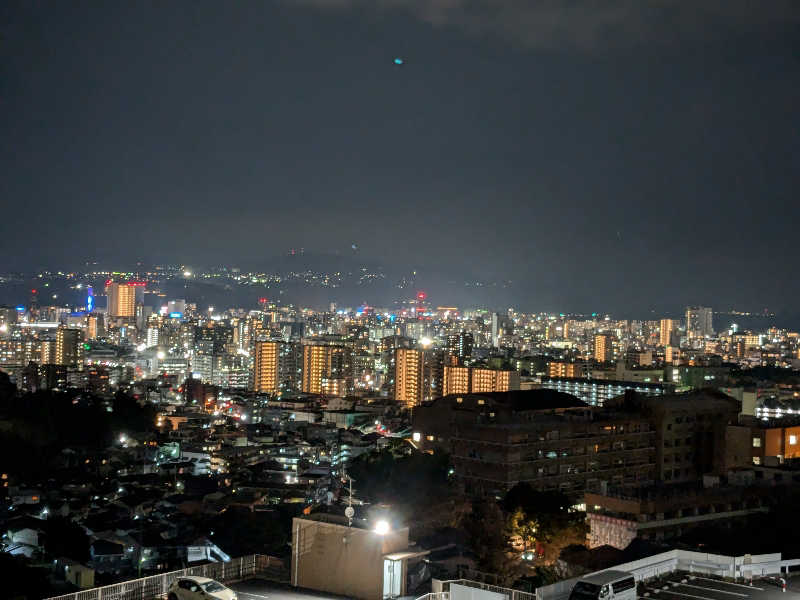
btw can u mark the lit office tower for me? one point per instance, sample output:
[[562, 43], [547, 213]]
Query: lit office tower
[[265, 367], [460, 345], [121, 299], [326, 370], [665, 333], [68, 346], [408, 383], [602, 347], [699, 321]]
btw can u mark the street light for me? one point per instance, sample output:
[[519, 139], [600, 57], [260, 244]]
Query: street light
[[382, 527]]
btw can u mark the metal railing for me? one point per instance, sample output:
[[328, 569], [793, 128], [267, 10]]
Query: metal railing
[[435, 596], [509, 593], [156, 586]]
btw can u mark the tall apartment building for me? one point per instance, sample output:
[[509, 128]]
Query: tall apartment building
[[408, 376], [552, 441], [665, 332], [69, 346], [460, 346], [603, 347], [456, 380], [265, 367], [493, 380], [327, 369], [465, 380], [47, 352], [699, 321], [95, 326], [121, 299]]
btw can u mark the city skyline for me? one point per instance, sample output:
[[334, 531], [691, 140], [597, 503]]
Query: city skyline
[[399, 299]]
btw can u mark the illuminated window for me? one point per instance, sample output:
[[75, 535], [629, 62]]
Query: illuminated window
[[792, 440], [756, 442], [756, 460], [481, 401], [416, 436], [430, 438], [459, 399]]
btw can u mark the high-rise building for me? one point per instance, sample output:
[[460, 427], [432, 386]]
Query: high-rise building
[[152, 336], [47, 352], [322, 365], [265, 367], [121, 299], [665, 333], [408, 378], [460, 345], [699, 321], [69, 344], [603, 347], [465, 380], [493, 380], [456, 380], [95, 326]]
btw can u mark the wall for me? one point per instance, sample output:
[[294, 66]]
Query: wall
[[341, 560]]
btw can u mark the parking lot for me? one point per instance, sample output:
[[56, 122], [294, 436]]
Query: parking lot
[[256, 589], [699, 587]]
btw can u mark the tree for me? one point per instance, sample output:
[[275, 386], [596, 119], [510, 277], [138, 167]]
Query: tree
[[556, 526], [523, 525], [486, 526]]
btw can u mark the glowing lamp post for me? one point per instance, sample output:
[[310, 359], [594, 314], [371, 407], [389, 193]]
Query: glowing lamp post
[[382, 527]]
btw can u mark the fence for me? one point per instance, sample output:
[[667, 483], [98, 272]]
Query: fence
[[443, 587], [156, 586]]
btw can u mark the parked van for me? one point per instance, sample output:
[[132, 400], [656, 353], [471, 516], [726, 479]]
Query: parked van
[[608, 585]]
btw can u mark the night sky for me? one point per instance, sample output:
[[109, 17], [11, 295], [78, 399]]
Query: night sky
[[641, 155]]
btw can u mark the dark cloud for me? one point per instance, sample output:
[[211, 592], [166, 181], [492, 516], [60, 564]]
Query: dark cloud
[[587, 24]]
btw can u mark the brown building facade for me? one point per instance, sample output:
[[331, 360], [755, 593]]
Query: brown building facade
[[552, 441]]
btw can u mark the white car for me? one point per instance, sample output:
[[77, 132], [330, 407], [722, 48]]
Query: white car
[[199, 588]]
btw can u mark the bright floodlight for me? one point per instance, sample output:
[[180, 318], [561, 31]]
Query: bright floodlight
[[382, 527], [161, 355], [426, 341]]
